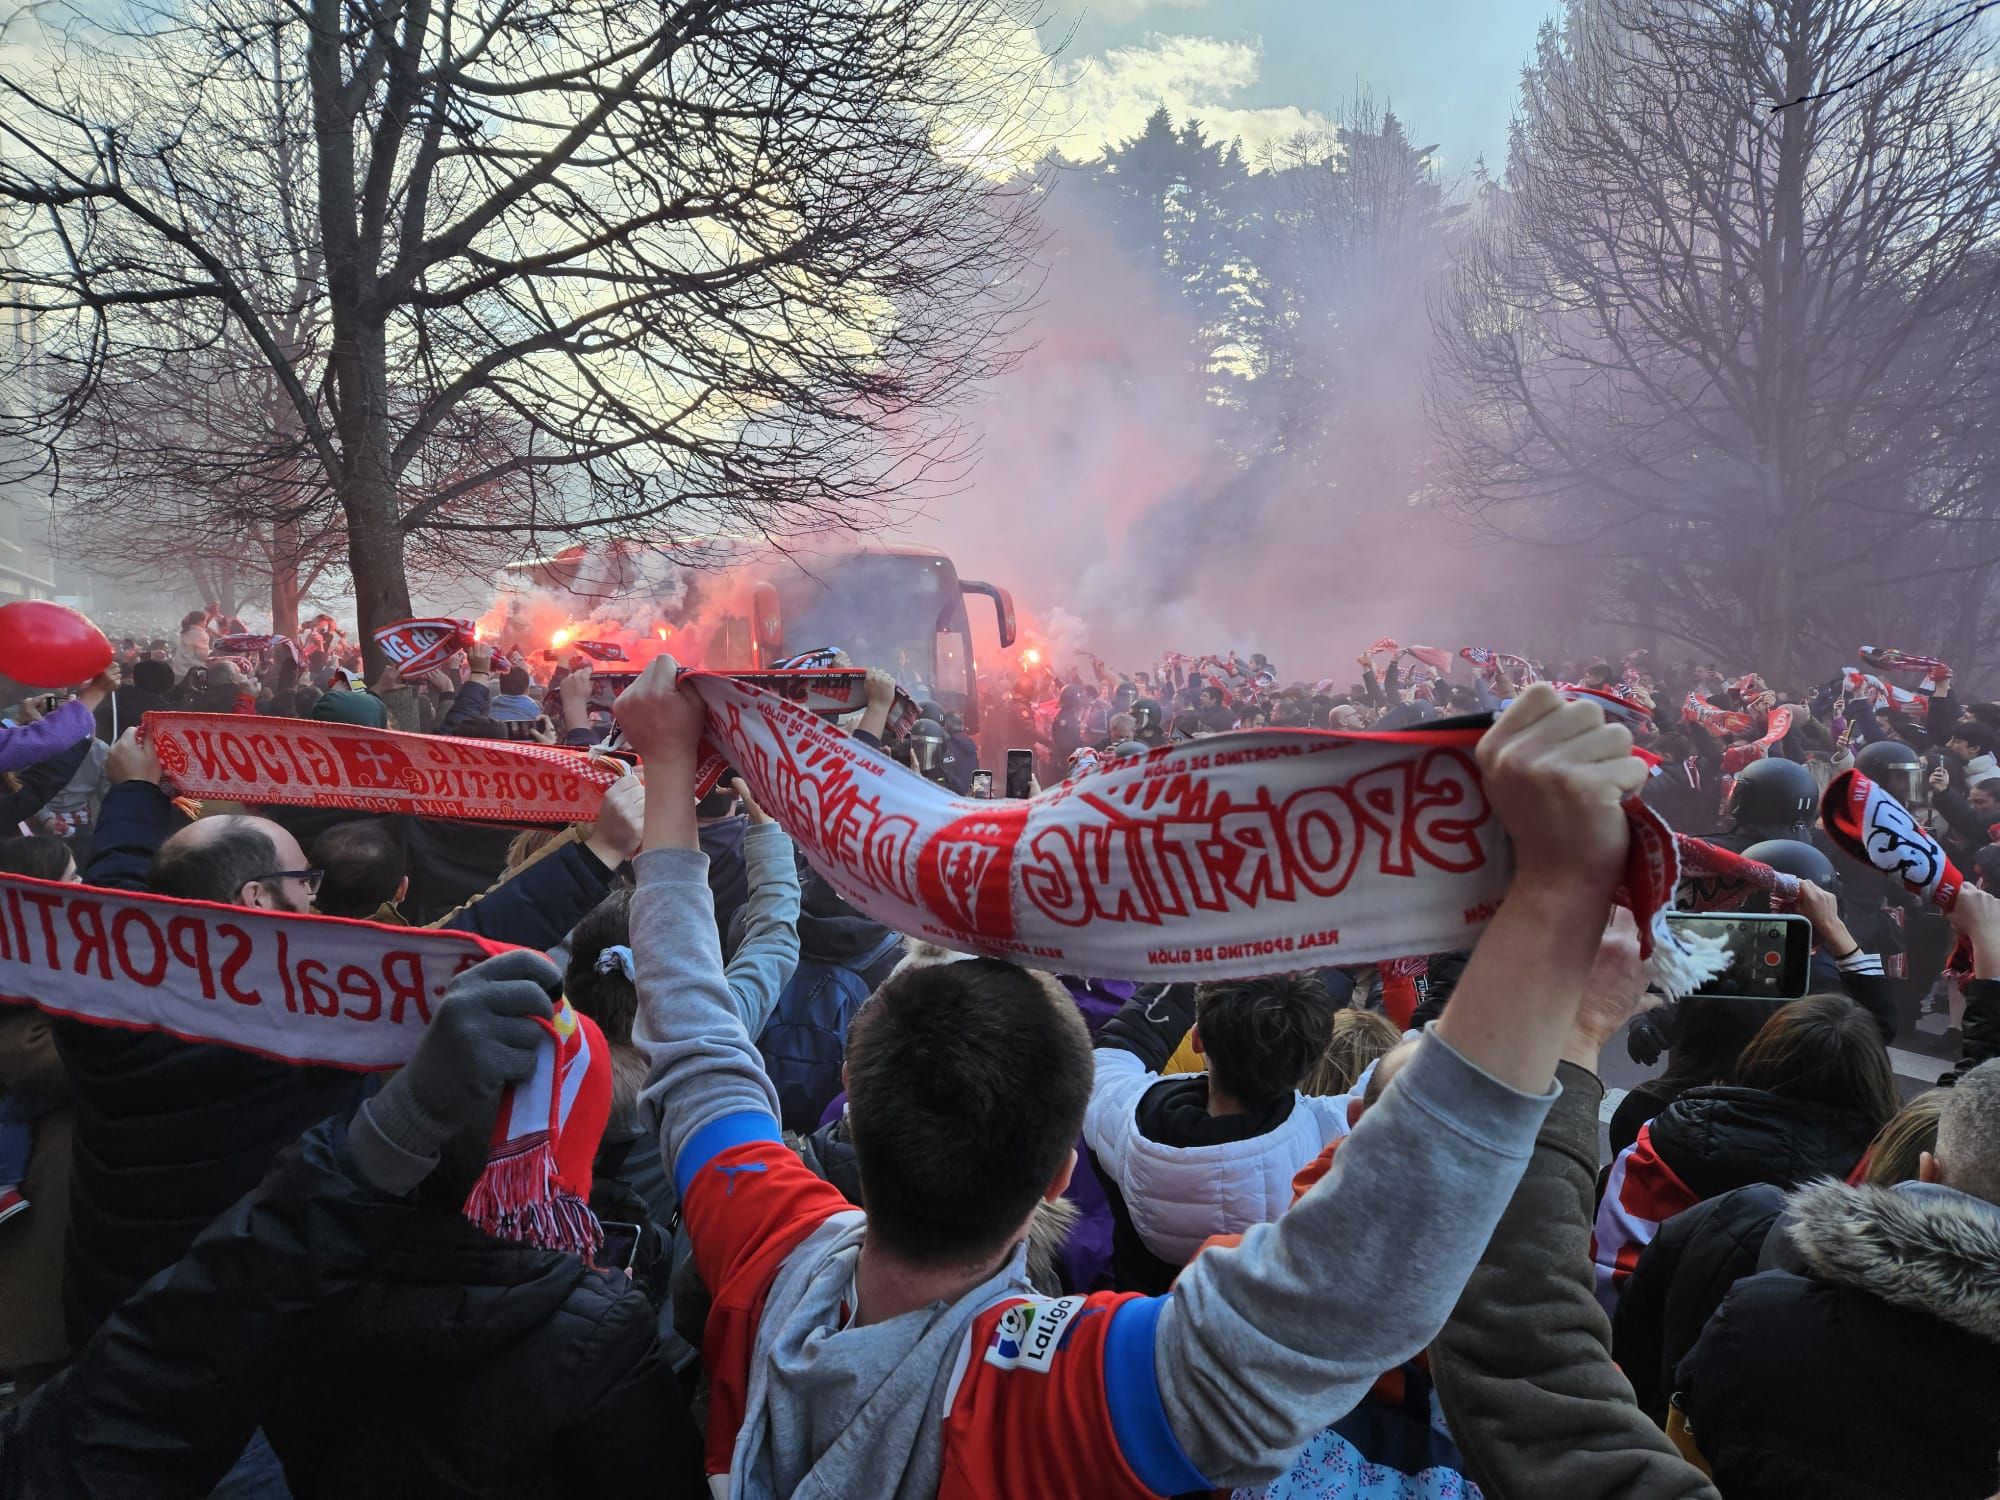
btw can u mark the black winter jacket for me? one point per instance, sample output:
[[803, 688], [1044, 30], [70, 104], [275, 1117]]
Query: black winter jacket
[[1680, 1280], [1873, 1376], [170, 1133], [386, 1350], [1724, 1137]]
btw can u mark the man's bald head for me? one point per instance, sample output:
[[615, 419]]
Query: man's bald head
[[234, 860]]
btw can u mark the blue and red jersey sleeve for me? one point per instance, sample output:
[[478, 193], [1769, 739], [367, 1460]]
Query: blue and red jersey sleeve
[[1059, 1396], [748, 1203]]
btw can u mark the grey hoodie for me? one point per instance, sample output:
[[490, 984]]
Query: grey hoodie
[[1257, 1348]]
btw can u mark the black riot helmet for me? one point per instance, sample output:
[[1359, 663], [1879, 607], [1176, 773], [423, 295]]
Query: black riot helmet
[[1148, 719], [1894, 767], [1794, 857], [1773, 793], [927, 744]]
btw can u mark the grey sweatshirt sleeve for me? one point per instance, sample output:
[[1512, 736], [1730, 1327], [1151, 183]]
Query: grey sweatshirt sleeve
[[769, 951], [703, 1071], [1259, 1347]]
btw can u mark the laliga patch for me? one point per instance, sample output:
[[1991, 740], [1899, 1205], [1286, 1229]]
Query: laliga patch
[[1029, 1334]]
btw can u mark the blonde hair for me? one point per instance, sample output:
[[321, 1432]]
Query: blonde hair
[[1893, 1154], [527, 844], [1359, 1037]]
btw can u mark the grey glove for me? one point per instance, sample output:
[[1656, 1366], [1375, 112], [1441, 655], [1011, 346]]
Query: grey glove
[[482, 1038]]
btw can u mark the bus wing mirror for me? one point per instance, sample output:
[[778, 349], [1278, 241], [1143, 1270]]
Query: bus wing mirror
[[1003, 607]]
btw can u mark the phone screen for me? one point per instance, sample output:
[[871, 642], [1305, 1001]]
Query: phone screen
[[1770, 954], [621, 1246], [982, 784], [1020, 774]]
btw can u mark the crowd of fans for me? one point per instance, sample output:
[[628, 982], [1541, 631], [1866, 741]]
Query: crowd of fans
[[895, 1221]]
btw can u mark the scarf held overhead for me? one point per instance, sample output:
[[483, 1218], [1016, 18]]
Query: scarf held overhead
[[314, 992], [1236, 855], [305, 762]]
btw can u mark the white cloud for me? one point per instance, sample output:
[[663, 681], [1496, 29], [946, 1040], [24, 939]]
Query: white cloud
[[1098, 100]]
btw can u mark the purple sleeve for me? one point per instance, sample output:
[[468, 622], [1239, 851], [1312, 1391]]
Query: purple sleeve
[[24, 744]]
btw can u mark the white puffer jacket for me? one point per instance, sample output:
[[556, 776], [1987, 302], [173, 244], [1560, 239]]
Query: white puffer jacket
[[1178, 1196]]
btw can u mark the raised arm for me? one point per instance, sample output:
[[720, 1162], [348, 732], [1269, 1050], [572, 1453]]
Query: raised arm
[[1258, 1345], [706, 1090], [24, 744], [1524, 1367], [769, 951]]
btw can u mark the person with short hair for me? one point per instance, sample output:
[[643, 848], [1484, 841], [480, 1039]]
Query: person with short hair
[[1974, 743], [515, 703], [171, 1132], [903, 1351], [1185, 1158], [364, 871]]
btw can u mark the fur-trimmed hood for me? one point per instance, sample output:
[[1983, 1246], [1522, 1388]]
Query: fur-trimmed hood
[[1916, 1245]]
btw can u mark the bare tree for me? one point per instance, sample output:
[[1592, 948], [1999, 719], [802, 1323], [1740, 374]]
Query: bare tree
[[708, 265], [1738, 359]]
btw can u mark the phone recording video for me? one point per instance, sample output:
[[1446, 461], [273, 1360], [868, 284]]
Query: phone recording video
[[982, 784], [1020, 774], [1770, 954]]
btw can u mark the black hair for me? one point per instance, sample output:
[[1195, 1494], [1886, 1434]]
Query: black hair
[[1262, 1036], [516, 681], [608, 997], [364, 865], [967, 1084], [39, 855], [1975, 734], [719, 803], [216, 870]]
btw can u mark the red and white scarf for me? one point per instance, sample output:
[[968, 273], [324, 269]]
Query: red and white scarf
[[1492, 663], [536, 1186], [307, 763], [1876, 829], [318, 992], [1717, 879], [1720, 722], [1236, 855], [415, 647], [1618, 708], [1937, 673], [1776, 727]]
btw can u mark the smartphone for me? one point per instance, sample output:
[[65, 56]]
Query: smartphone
[[1020, 774], [1770, 954], [982, 784], [621, 1246], [51, 703]]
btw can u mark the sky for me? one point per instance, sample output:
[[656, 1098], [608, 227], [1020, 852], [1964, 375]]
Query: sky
[[1265, 69]]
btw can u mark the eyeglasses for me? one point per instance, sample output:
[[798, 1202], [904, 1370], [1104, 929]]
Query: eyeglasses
[[312, 878]]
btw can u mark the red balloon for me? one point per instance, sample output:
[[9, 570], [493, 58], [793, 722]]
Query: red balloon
[[50, 645]]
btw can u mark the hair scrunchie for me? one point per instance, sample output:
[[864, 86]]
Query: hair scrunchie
[[617, 956]]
